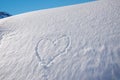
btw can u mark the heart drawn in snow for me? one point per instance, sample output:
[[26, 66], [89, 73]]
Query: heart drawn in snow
[[47, 50]]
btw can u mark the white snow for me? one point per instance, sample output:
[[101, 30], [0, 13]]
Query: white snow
[[78, 42]]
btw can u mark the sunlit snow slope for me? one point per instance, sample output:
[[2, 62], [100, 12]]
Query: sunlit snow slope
[[79, 42]]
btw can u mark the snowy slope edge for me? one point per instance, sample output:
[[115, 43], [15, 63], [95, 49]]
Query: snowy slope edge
[[80, 42]]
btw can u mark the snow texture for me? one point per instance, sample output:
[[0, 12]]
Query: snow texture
[[78, 42]]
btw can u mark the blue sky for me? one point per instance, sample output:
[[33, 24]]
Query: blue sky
[[21, 6]]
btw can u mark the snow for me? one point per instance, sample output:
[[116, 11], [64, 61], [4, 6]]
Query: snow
[[78, 42]]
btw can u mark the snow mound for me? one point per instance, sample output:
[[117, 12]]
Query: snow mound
[[79, 42]]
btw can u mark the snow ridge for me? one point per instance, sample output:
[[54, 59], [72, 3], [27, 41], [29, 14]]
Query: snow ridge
[[79, 42]]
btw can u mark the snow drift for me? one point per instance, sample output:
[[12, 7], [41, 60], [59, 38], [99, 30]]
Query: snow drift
[[79, 42]]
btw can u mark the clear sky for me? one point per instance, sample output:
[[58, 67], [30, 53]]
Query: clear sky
[[21, 6]]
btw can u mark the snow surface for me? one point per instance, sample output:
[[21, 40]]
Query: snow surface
[[79, 42]]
